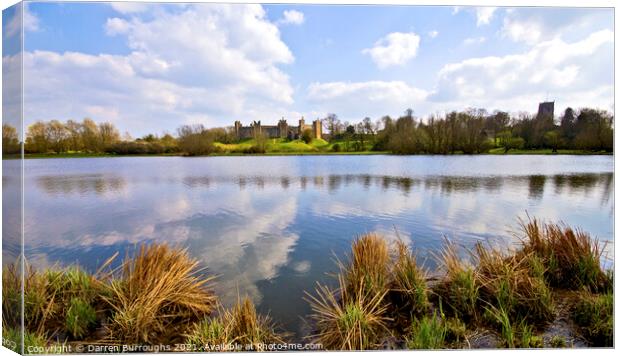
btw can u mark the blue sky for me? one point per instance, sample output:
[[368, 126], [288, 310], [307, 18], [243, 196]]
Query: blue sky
[[151, 68]]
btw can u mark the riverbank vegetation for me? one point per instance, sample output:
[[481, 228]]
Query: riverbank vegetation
[[384, 299], [473, 131], [381, 298]]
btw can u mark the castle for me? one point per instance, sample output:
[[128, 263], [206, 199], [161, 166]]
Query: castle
[[281, 130]]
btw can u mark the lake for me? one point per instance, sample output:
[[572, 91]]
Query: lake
[[270, 227]]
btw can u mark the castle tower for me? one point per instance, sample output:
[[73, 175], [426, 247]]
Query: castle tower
[[282, 128], [238, 129], [546, 109], [317, 129], [302, 125], [256, 129]]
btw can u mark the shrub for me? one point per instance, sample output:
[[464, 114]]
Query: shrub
[[306, 136]]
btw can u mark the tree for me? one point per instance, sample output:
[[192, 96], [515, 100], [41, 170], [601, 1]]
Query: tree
[[36, 138], [74, 131], [10, 140], [194, 140], [594, 130], [90, 136], [57, 136], [552, 139], [508, 142], [108, 134], [568, 122], [306, 136], [497, 122], [333, 125]]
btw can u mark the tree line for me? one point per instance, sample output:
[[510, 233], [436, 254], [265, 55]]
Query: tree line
[[476, 131], [471, 131]]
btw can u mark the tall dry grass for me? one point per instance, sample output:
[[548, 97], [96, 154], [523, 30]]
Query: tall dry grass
[[368, 271], [158, 296], [408, 295], [379, 288], [571, 256], [459, 288], [239, 328], [348, 320], [513, 283]]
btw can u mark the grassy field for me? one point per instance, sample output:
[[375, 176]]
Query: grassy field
[[545, 151], [276, 147]]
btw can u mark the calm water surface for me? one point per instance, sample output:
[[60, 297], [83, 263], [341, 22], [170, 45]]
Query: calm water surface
[[270, 226]]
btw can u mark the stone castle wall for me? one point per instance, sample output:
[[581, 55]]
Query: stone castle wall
[[281, 130]]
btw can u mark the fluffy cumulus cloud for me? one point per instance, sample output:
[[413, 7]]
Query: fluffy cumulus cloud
[[572, 72], [397, 48], [530, 25], [292, 17], [22, 18], [355, 100], [199, 63], [129, 7], [484, 15], [433, 33]]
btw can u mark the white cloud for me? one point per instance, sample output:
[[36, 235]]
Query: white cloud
[[355, 100], [572, 73], [530, 25], [397, 48], [433, 33], [129, 7], [28, 21], [456, 9], [292, 17], [484, 15], [207, 63], [474, 40]]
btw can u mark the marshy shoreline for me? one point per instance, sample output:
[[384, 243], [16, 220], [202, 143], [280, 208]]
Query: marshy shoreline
[[551, 291]]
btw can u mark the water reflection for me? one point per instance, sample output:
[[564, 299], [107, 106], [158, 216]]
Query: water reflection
[[81, 184], [568, 183]]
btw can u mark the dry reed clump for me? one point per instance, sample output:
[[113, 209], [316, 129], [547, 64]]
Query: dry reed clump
[[239, 328], [459, 288], [346, 321], [369, 269], [158, 296], [379, 288], [513, 283], [408, 295], [571, 257]]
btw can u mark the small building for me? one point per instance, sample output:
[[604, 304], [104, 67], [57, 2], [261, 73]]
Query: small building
[[281, 130]]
